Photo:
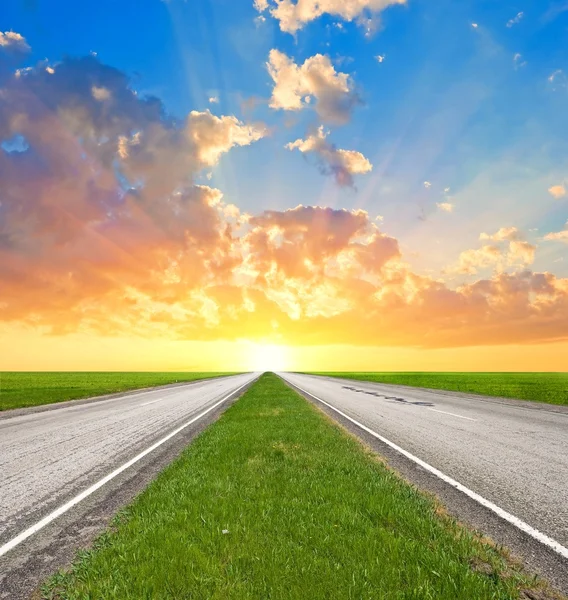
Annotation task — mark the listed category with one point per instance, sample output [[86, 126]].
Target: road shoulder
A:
[[24, 568], [535, 557]]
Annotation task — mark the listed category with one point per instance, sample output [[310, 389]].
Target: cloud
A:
[[104, 231], [558, 80], [295, 87], [103, 198], [293, 16], [515, 20], [503, 234], [10, 40], [427, 185], [380, 57], [557, 191], [100, 93], [511, 250], [558, 236], [518, 62], [342, 164], [213, 100], [445, 206]]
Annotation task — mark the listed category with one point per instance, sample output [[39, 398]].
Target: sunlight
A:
[[269, 357]]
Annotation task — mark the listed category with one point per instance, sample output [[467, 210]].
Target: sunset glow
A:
[[337, 187]]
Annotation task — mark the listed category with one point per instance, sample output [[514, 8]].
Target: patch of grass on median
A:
[[21, 389], [538, 387], [275, 501]]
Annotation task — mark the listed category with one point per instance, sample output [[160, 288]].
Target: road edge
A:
[[518, 402], [535, 558], [30, 410], [26, 567]]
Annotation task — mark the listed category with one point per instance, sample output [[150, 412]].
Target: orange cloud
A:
[[558, 236], [10, 40], [103, 230], [557, 191], [509, 250]]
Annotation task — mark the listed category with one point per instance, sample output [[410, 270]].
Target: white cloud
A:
[[557, 191], [515, 20], [518, 62], [381, 57], [295, 86], [213, 100], [558, 80], [445, 206], [446, 190], [13, 41], [342, 164], [558, 236], [475, 25], [427, 185], [292, 16]]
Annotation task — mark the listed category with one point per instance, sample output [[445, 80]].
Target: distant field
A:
[[538, 387], [18, 389], [275, 501]]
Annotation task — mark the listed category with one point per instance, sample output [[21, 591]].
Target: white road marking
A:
[[68, 505], [453, 414], [534, 533], [151, 402]]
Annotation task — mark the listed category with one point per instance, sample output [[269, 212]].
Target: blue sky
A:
[[453, 139], [449, 104]]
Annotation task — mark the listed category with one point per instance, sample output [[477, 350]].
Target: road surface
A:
[[48, 458], [512, 453]]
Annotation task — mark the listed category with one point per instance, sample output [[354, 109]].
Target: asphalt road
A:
[[48, 457], [512, 453]]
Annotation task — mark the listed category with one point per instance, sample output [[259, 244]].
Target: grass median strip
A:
[[538, 387], [22, 389], [275, 501]]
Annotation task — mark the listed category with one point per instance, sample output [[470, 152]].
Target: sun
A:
[[269, 357]]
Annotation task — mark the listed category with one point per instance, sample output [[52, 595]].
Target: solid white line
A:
[[453, 414], [63, 509], [534, 533]]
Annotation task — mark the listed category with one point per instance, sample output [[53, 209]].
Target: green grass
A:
[[538, 387], [274, 501], [20, 389]]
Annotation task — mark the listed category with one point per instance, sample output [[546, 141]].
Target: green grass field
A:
[[275, 501], [20, 389], [538, 387]]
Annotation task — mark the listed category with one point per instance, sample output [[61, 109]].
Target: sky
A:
[[284, 184]]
